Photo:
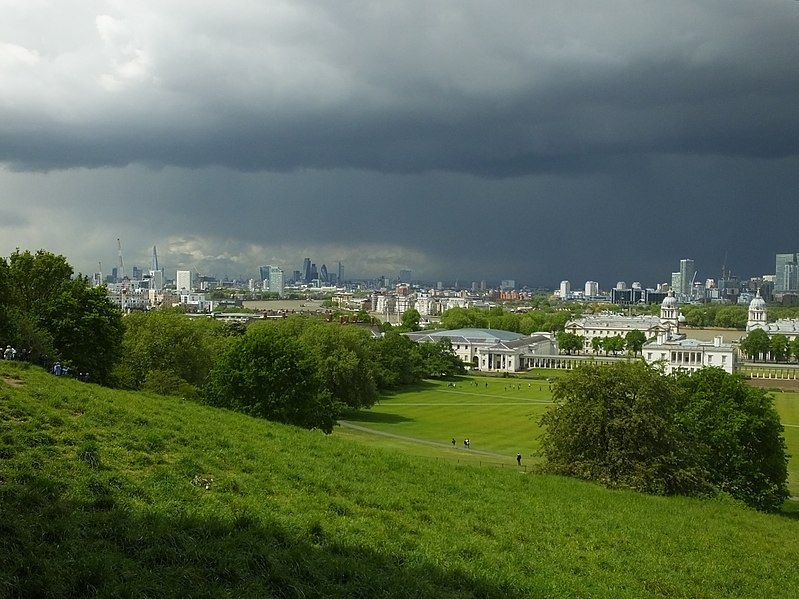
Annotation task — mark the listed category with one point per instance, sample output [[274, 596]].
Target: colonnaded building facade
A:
[[492, 350]]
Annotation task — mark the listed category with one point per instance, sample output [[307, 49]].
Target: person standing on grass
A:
[[519, 458], [453, 441]]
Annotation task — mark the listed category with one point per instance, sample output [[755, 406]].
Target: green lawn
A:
[[113, 494], [499, 416]]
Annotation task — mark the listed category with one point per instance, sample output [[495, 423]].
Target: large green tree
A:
[[48, 311], [396, 360], [86, 328], [634, 341], [756, 344], [735, 436], [343, 355], [569, 342], [439, 359], [272, 374], [627, 424], [613, 424]]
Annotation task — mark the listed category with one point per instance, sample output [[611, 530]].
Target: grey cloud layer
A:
[[402, 87], [528, 140]]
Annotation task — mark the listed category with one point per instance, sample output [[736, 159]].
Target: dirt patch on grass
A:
[[13, 382]]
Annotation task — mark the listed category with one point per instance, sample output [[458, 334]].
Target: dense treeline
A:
[[299, 370], [629, 425]]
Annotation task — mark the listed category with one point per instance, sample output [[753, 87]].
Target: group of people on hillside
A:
[[12, 353]]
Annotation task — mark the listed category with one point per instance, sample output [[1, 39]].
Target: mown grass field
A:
[[114, 494], [499, 416]]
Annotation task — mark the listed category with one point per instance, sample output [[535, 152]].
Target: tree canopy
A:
[[629, 425], [268, 372], [45, 310]]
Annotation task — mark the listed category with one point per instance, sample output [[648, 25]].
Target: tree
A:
[[569, 342], [614, 344], [438, 359], [736, 436], [163, 349], [48, 311], [634, 341], [271, 374], [779, 347], [627, 424], [613, 424], [597, 344], [795, 348], [731, 317], [86, 328], [756, 344], [343, 356], [410, 319], [396, 360]]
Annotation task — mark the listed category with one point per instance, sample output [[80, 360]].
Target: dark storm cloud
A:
[[470, 140], [407, 87]]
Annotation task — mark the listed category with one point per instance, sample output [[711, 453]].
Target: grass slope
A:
[[114, 494]]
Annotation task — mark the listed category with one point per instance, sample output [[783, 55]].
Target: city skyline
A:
[[531, 142], [681, 281]]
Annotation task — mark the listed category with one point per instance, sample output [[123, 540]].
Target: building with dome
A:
[[613, 325], [757, 319]]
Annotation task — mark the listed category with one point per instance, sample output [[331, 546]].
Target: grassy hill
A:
[[113, 494]]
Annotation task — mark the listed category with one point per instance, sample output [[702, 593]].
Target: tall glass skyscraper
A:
[[687, 274], [786, 273]]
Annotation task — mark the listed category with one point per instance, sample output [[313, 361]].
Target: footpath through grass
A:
[[114, 494]]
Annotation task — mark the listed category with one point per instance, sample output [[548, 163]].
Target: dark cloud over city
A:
[[470, 140]]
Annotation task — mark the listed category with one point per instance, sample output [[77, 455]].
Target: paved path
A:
[[358, 427]]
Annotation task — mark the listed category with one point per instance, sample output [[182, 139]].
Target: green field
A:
[[499, 416], [106, 493]]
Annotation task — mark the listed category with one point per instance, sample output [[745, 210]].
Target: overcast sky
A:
[[525, 140]]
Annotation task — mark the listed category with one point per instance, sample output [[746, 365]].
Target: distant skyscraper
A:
[[591, 289], [154, 265], [786, 273], [157, 280], [314, 273], [687, 275], [137, 273], [565, 289], [263, 272], [183, 280], [507, 284], [276, 281], [323, 276], [306, 270]]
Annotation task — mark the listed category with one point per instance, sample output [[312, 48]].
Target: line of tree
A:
[[758, 346], [629, 425], [546, 319], [632, 342]]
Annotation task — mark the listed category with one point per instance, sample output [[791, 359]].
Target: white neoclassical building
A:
[[612, 325], [757, 319], [681, 354], [492, 350]]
